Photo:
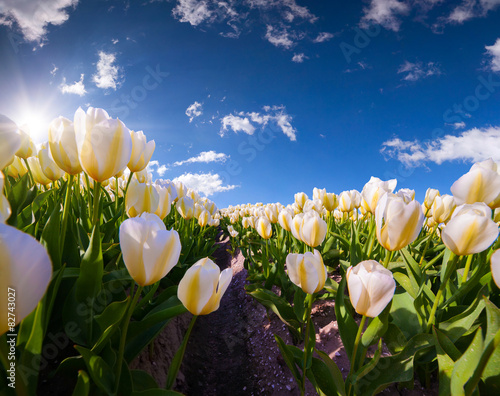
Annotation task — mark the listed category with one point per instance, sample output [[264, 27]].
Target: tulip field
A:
[[96, 259]]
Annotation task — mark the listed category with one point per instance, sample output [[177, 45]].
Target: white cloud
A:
[[289, 9], [471, 9], [322, 37], [161, 169], [108, 74], [194, 110], [54, 70], [77, 88], [204, 183], [34, 16], [299, 58], [458, 125], [279, 37], [237, 124], [494, 52], [206, 157], [418, 70], [115, 41], [242, 121], [385, 13], [470, 146], [192, 11]]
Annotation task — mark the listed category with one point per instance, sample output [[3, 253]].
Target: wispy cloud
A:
[[386, 13], [494, 52], [108, 74], [77, 88], [204, 183], [418, 70], [155, 166], [204, 157], [192, 11], [279, 37], [248, 122], [299, 58], [194, 110], [471, 9], [470, 146], [34, 16], [322, 37], [54, 70]]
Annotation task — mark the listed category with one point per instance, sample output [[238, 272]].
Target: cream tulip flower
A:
[[140, 198], [149, 250], [300, 199], [285, 219], [204, 218], [349, 200], [430, 196], [263, 227], [442, 208], [47, 164], [371, 287], [495, 267], [5, 210], [27, 148], [142, 151], [330, 202], [17, 168], [247, 222], [373, 191], [10, 141], [62, 144], [104, 144], [480, 184], [307, 271], [313, 229], [185, 207], [397, 223], [164, 201], [232, 231], [36, 171], [470, 230], [202, 287], [297, 225], [26, 268]]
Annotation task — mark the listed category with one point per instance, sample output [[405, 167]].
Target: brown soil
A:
[[233, 351]]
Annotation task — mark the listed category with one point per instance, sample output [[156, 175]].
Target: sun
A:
[[36, 125]]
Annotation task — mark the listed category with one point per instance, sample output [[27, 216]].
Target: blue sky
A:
[[256, 100]]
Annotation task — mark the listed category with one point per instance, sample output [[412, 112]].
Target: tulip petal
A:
[[133, 234], [381, 290], [224, 280], [495, 267], [161, 253]]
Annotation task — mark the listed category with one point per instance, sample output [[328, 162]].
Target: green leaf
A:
[[82, 387], [465, 366], [347, 325], [396, 368], [99, 370], [109, 322], [491, 374], [404, 314], [334, 372], [88, 283], [51, 237], [323, 377], [413, 270], [142, 381], [289, 358], [376, 328], [445, 363], [17, 196], [367, 368]]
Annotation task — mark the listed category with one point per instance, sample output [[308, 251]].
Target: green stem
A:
[[97, 194], [125, 196], [67, 205], [30, 174], [427, 245], [449, 271], [123, 338], [116, 194], [307, 348], [467, 268], [179, 355], [388, 254], [88, 193], [355, 350]]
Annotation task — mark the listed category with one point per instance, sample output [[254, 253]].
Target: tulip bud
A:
[[203, 286], [142, 151], [10, 141], [371, 287], [181, 189], [204, 218], [300, 199], [232, 231], [495, 167], [141, 197], [406, 194], [263, 227], [349, 200], [48, 166], [470, 229], [17, 168], [185, 207], [285, 220], [442, 208], [104, 144], [307, 271], [26, 268], [164, 202], [313, 229], [297, 225], [193, 195], [373, 191], [27, 147], [272, 213], [397, 223], [247, 222], [330, 202], [5, 210], [36, 171], [495, 267], [149, 250], [480, 184], [62, 144], [319, 194], [430, 196]]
